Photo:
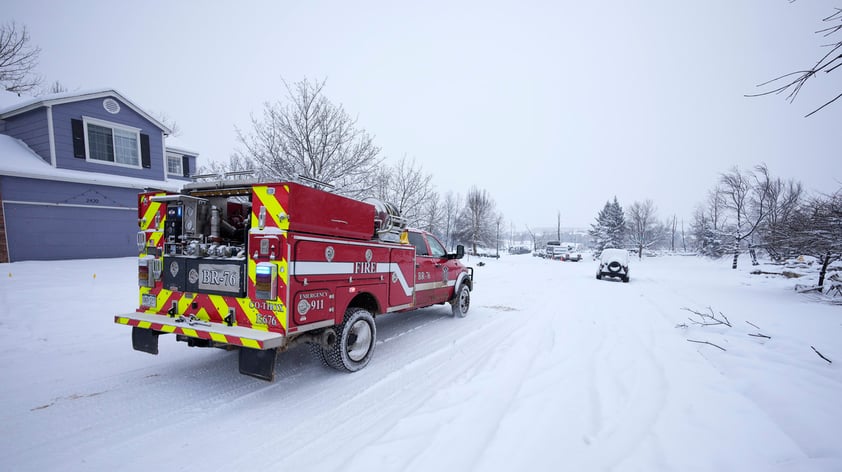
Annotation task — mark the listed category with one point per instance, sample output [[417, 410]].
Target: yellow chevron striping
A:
[[273, 208], [220, 305], [144, 324], [149, 214], [190, 332], [251, 313], [168, 329], [250, 343], [220, 338]]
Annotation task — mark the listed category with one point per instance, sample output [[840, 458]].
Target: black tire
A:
[[318, 352], [625, 278], [357, 336], [461, 302], [598, 276]]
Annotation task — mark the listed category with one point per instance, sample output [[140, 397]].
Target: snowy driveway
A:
[[551, 370]]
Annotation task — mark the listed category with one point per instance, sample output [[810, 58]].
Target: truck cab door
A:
[[428, 271], [447, 270]]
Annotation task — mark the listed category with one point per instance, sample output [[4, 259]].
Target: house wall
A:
[[64, 113], [48, 220], [31, 128]]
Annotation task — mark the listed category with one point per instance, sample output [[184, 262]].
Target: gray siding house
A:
[[71, 166]]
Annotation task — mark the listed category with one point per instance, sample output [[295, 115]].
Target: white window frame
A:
[[107, 124], [180, 159]]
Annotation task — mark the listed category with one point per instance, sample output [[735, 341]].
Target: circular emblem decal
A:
[[394, 277], [368, 255], [174, 268], [303, 307], [444, 272], [193, 276], [329, 253]]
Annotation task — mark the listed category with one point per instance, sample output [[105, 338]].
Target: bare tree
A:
[[452, 207], [432, 215], [237, 164], [56, 87], [175, 129], [785, 198], [832, 60], [18, 59], [406, 186], [558, 226], [747, 196], [641, 223], [310, 136], [475, 224], [817, 230]]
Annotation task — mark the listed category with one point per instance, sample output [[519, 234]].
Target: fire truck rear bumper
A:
[[150, 326]]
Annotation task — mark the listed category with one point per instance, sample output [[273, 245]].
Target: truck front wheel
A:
[[357, 335], [461, 301]]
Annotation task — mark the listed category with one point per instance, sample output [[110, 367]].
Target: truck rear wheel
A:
[[461, 301], [357, 335]]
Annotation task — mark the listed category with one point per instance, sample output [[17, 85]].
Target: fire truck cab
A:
[[262, 267]]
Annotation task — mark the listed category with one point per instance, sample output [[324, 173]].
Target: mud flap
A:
[[258, 363], [145, 340]]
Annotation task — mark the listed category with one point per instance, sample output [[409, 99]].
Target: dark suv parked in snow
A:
[[613, 263]]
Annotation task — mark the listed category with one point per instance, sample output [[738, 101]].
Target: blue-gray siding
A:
[[47, 220], [64, 113], [31, 128]]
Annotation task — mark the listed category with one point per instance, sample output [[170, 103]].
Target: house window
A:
[[174, 165], [112, 143]]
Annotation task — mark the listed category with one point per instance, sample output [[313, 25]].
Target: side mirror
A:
[[460, 251]]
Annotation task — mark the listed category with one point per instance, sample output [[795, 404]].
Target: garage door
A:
[[48, 232]]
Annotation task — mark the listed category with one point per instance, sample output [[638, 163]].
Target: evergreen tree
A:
[[609, 231]]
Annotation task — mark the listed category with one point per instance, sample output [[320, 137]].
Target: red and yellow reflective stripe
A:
[[193, 333]]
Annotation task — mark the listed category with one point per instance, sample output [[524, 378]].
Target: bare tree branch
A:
[[825, 64], [708, 319], [708, 343], [822, 356], [18, 59]]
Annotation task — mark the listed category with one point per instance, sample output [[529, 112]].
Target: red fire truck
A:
[[262, 267]]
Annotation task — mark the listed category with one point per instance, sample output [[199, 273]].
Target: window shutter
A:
[[78, 138], [185, 166], [145, 159]]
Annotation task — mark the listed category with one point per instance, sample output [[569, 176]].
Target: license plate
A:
[[147, 299]]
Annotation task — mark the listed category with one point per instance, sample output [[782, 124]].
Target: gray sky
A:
[[550, 106]]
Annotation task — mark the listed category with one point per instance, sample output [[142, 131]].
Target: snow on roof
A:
[[18, 160], [173, 143], [12, 104]]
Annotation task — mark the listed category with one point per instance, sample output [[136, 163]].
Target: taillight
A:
[[265, 281], [148, 271]]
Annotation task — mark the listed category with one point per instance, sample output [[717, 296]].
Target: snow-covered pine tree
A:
[[610, 227]]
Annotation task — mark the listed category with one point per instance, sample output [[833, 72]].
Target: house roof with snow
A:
[[18, 160], [12, 104]]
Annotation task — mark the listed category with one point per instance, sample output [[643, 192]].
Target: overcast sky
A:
[[552, 106]]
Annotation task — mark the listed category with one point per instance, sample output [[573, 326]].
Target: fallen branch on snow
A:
[[758, 334], [708, 319], [705, 342], [820, 355]]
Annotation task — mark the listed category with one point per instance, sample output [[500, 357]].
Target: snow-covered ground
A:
[[551, 370]]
